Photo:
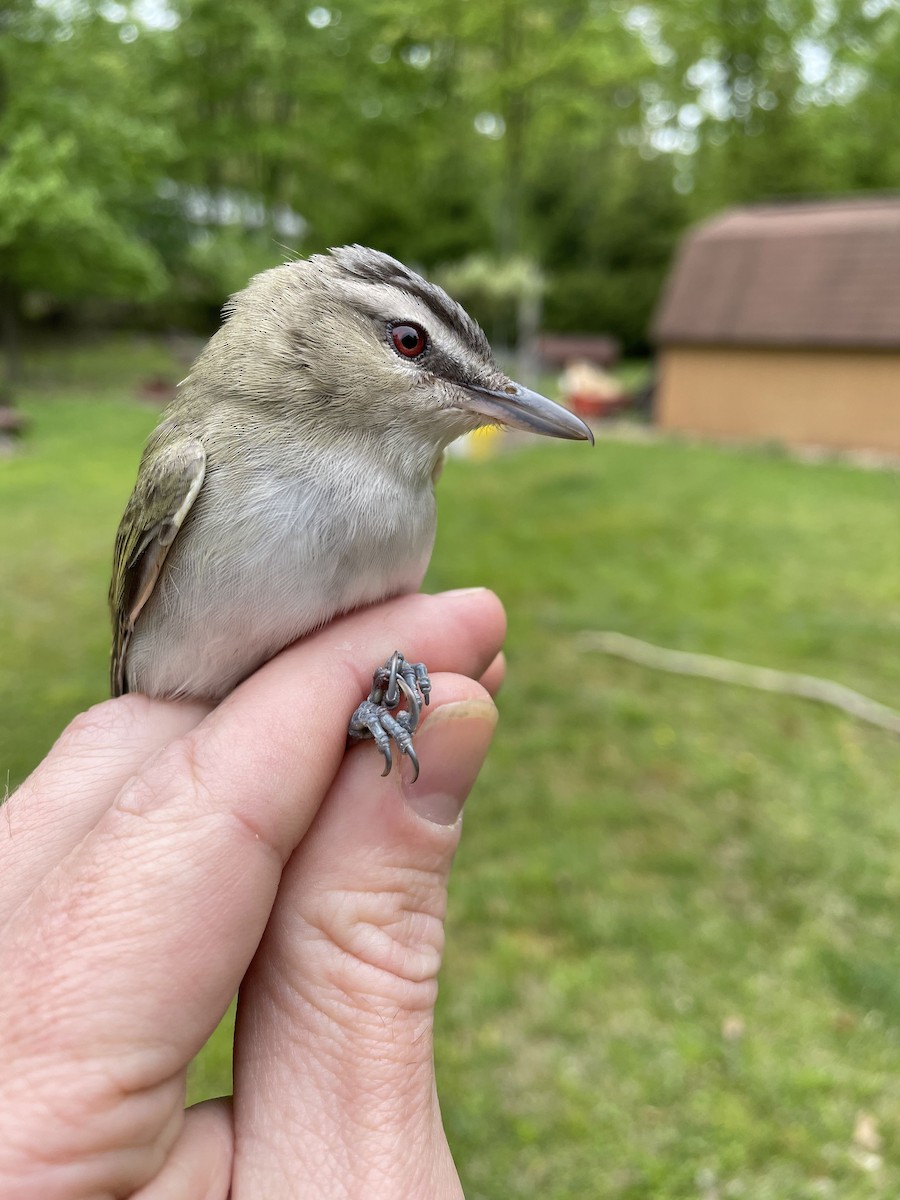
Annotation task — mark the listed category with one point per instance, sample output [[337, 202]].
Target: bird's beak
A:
[[520, 408]]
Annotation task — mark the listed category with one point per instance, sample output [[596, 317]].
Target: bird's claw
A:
[[388, 681], [377, 717]]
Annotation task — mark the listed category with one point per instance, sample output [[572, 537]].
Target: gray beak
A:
[[520, 408]]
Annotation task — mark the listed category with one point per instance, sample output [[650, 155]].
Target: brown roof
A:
[[557, 349], [802, 274]]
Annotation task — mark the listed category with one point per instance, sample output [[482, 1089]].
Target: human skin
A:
[[165, 854]]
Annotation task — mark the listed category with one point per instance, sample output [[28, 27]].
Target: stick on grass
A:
[[724, 670]]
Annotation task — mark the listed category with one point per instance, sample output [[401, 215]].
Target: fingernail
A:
[[451, 747], [469, 591]]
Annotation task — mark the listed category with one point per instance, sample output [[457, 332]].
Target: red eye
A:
[[409, 340]]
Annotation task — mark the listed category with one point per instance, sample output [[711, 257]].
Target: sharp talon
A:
[[378, 718], [423, 681], [411, 755], [412, 702], [392, 695]]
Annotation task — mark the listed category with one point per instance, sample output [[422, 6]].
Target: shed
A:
[[781, 322]]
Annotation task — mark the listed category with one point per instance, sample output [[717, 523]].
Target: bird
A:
[[292, 479]]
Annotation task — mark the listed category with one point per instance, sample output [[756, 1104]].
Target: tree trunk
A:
[[514, 108], [11, 341]]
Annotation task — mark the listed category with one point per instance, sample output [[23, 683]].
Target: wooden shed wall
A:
[[843, 399]]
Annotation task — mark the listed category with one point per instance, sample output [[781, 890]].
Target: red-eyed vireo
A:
[[292, 478]]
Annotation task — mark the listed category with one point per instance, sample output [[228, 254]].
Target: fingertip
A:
[[199, 1166], [493, 678], [481, 600]]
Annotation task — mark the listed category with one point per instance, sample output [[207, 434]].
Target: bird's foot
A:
[[378, 717]]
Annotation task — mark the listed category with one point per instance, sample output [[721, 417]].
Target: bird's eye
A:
[[409, 340]]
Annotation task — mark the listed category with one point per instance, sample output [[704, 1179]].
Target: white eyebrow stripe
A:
[[380, 270]]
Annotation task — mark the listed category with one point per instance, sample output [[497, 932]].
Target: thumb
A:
[[335, 1020]]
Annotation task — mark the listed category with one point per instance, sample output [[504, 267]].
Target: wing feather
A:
[[169, 480]]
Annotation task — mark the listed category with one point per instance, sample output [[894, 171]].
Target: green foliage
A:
[[583, 137], [80, 154], [782, 96], [220, 262], [504, 294], [671, 968]]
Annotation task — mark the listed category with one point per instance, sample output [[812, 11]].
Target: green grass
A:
[[672, 966]]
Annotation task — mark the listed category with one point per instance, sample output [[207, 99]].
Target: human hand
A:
[[163, 854]]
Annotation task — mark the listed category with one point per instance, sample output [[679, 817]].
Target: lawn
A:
[[672, 966]]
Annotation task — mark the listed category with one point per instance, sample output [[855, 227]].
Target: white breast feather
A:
[[246, 578]]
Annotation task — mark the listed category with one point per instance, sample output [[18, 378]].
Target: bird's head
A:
[[372, 345]]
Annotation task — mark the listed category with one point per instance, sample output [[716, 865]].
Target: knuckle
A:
[[385, 941], [183, 787], [103, 727], [175, 776]]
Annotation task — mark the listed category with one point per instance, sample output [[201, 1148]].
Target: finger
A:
[[78, 780], [318, 684], [92, 759], [199, 1164], [333, 1044], [493, 677], [163, 903]]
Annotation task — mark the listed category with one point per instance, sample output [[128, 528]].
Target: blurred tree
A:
[[335, 116], [428, 128], [612, 243], [200, 141], [80, 149], [760, 101], [508, 293], [866, 82]]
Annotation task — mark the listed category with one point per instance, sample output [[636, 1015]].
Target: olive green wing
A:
[[169, 480]]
